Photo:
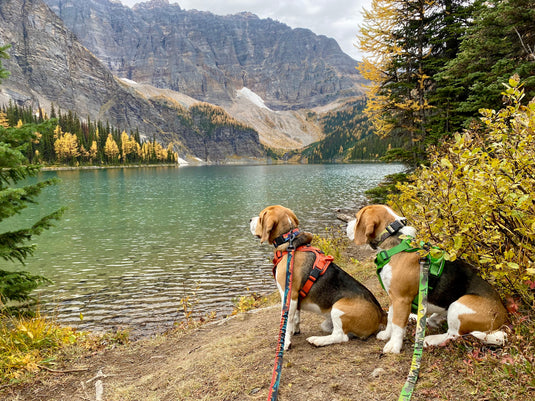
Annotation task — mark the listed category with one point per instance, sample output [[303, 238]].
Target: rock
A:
[[209, 57], [377, 372]]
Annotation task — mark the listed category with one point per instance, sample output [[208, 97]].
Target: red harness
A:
[[321, 263]]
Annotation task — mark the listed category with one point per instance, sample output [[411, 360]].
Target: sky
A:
[[338, 19]]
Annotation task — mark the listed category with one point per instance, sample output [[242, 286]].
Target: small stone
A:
[[377, 372]]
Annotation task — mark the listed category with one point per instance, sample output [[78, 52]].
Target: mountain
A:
[[49, 65], [210, 57]]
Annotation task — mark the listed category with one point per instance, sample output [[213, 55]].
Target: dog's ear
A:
[[266, 223], [364, 228]]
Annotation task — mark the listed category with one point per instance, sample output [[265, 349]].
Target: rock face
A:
[[209, 57], [49, 65]]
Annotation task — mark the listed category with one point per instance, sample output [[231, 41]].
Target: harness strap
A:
[[383, 257], [435, 264], [321, 263]]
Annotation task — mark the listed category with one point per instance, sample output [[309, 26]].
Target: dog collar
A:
[[284, 238], [390, 230]]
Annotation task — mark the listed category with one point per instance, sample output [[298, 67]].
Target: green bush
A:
[[476, 198]]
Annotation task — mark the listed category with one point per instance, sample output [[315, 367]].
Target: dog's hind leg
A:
[[337, 335], [473, 315], [327, 324]]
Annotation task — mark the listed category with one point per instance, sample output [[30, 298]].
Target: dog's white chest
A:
[[386, 276]]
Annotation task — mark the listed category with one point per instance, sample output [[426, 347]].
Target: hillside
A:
[[48, 65]]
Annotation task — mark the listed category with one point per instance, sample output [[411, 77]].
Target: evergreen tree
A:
[[497, 46], [14, 168], [407, 41]]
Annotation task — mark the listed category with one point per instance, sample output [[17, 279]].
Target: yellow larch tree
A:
[[129, 146], [3, 120], [111, 150], [66, 146]]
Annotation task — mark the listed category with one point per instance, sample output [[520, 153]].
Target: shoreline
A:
[[201, 164], [68, 168]]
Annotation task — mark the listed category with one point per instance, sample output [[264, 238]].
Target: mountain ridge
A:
[[209, 57]]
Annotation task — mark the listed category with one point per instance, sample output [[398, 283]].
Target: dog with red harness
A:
[[469, 303], [318, 284]]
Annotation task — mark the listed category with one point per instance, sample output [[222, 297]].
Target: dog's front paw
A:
[[287, 345], [321, 341], [384, 335], [393, 347]]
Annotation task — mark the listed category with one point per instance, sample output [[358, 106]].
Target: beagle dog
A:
[[470, 304], [349, 308]]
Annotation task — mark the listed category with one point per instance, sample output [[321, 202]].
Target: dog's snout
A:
[[252, 225], [351, 229]]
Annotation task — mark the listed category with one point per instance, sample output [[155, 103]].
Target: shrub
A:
[[477, 197]]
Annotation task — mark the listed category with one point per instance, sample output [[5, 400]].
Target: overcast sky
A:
[[338, 19]]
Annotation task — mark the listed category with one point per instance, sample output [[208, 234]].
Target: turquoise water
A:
[[134, 242]]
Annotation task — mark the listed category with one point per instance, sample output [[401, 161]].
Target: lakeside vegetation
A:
[[472, 184], [63, 138]]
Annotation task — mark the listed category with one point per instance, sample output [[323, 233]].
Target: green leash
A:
[[408, 388]]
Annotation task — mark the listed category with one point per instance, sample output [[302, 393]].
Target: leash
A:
[[408, 388], [277, 368]]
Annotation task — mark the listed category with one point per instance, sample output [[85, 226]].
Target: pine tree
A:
[[14, 198], [407, 42], [498, 45]]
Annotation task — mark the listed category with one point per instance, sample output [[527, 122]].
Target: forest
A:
[[67, 139], [433, 65]]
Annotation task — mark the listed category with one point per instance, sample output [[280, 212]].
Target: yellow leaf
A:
[[446, 163]]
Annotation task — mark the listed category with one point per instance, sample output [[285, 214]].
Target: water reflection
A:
[[133, 242]]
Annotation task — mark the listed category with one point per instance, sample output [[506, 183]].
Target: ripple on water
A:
[[135, 243]]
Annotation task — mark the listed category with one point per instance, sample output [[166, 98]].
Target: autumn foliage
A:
[[476, 199]]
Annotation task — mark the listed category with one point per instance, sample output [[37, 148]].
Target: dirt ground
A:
[[233, 359], [229, 360]]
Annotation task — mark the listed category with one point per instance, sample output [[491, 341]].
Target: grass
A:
[[461, 369], [29, 344]]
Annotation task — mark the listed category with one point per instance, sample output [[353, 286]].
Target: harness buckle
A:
[[395, 226]]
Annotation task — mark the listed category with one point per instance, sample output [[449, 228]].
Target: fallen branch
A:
[[344, 217], [62, 371]]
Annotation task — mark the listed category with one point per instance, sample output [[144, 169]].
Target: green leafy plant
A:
[[248, 302], [476, 199]]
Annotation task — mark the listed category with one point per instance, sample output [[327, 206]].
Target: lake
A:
[[133, 242]]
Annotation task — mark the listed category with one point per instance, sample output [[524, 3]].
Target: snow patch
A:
[[128, 81], [252, 97], [182, 161]]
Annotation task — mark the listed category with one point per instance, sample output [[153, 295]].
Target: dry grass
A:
[[233, 360]]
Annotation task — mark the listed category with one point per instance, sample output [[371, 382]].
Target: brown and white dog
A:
[[349, 308], [470, 304]]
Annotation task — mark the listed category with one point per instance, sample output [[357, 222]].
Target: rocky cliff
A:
[[49, 65], [210, 57]]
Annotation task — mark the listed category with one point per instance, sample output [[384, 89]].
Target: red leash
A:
[[277, 368]]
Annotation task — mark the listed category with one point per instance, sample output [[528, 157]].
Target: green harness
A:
[[436, 263]]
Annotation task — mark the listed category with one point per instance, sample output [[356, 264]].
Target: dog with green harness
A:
[[456, 292]]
